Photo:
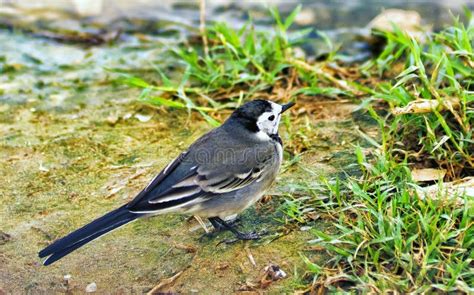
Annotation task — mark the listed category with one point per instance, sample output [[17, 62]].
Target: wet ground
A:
[[62, 168], [75, 143]]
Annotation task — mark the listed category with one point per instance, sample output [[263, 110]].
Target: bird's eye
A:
[[271, 118]]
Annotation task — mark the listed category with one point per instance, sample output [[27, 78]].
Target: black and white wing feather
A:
[[190, 180]]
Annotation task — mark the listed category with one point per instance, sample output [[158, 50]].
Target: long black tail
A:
[[87, 233]]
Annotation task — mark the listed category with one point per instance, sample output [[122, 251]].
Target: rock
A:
[[88, 7], [112, 119], [91, 288], [452, 191], [143, 118], [408, 21], [305, 17]]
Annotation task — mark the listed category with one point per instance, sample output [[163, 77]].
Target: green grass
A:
[[439, 71], [387, 239], [384, 237], [241, 64]]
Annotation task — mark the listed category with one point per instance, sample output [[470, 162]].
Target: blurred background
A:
[[100, 34], [324, 14]]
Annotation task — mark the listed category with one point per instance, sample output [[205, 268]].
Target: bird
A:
[[220, 175]]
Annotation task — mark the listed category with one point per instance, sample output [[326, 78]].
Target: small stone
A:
[[112, 119], [43, 168], [305, 17], [409, 21], [143, 118], [91, 288]]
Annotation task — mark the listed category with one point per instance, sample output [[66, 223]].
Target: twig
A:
[[203, 225], [164, 283], [318, 71], [250, 256]]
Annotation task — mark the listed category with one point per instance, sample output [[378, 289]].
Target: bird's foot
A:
[[220, 224], [248, 236], [208, 236], [244, 237]]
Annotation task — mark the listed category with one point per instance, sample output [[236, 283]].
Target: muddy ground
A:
[[61, 169]]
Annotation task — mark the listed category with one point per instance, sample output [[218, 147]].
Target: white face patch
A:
[[268, 121]]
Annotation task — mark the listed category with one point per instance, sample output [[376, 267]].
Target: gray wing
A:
[[208, 169]]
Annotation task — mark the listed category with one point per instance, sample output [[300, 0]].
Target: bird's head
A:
[[260, 116]]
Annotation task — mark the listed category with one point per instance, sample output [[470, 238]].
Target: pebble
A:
[[408, 21], [91, 288], [305, 17], [67, 277]]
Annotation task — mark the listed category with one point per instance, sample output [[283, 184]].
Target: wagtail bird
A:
[[220, 175]]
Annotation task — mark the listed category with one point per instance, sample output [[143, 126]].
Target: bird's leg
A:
[[219, 227], [220, 224]]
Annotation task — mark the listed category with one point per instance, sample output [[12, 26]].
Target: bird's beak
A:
[[286, 106]]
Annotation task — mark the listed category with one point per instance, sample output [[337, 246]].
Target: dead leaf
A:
[[222, 266], [336, 279], [248, 286], [187, 248], [421, 106], [428, 174], [315, 248]]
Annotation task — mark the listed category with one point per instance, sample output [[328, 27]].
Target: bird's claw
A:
[[243, 237], [208, 235], [249, 236]]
